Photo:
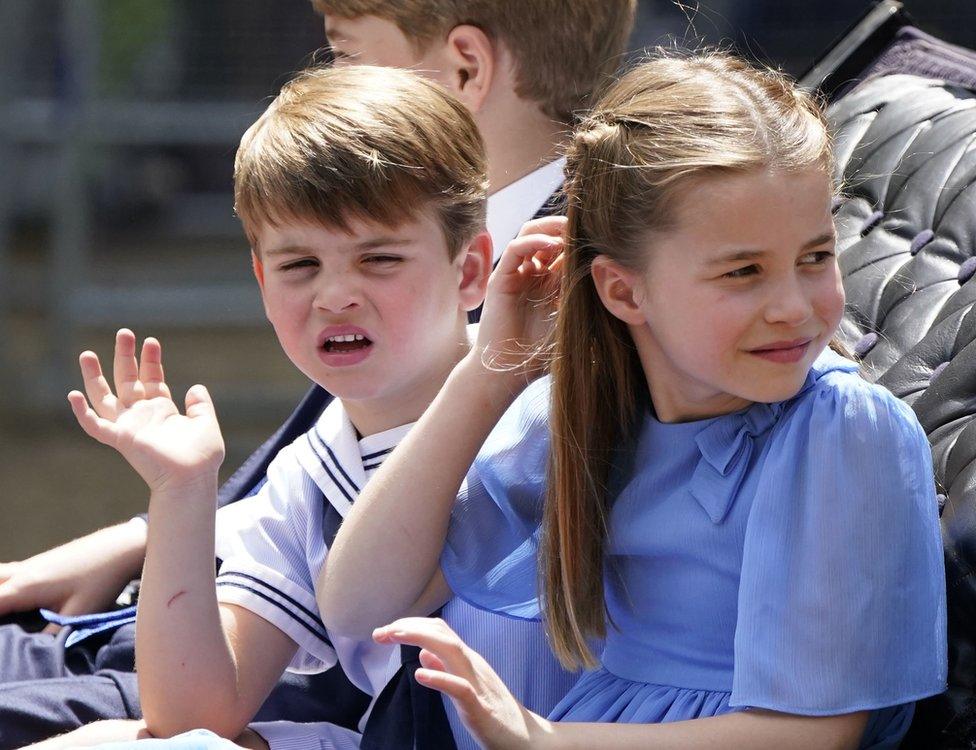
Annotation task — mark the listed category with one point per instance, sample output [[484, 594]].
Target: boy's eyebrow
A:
[[740, 255], [285, 250], [383, 242], [370, 244]]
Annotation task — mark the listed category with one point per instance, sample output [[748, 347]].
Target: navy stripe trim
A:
[[332, 476], [338, 465], [370, 467], [316, 621], [383, 452]]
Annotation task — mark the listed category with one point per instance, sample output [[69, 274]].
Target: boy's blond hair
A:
[[564, 50], [375, 144]]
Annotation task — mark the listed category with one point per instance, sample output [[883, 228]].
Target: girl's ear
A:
[[258, 267], [475, 268], [470, 65], [619, 289]]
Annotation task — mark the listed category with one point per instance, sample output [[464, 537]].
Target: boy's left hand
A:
[[488, 709], [169, 450]]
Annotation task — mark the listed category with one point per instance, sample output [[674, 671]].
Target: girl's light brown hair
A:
[[375, 144], [564, 50], [666, 124]]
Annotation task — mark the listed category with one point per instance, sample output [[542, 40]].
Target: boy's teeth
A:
[[347, 338]]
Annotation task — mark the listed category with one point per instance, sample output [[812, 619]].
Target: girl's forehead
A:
[[750, 212]]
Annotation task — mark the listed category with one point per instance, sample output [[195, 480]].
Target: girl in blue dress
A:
[[734, 533]]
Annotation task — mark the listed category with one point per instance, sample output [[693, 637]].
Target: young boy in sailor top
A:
[[522, 69], [362, 192]]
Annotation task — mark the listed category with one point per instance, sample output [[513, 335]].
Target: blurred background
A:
[[118, 125]]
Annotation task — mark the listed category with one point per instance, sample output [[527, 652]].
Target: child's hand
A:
[[488, 709], [521, 300], [169, 450]]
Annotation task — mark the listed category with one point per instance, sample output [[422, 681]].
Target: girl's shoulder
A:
[[837, 398]]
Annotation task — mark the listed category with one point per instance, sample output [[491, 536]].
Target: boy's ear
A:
[[619, 290], [258, 267], [471, 59], [476, 264]]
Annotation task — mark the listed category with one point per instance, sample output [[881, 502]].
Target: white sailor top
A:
[[275, 543]]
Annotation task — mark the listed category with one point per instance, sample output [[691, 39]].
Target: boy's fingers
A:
[[151, 369], [93, 425], [125, 368], [96, 386]]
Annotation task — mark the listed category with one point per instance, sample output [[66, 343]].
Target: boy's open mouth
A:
[[350, 342]]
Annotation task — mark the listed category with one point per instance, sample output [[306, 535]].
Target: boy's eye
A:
[[382, 259], [741, 273], [302, 263]]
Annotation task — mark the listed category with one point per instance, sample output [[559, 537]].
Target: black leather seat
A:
[[906, 147]]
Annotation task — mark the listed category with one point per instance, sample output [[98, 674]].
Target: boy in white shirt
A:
[[362, 192]]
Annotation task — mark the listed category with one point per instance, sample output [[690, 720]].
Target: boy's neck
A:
[[519, 138], [371, 417]]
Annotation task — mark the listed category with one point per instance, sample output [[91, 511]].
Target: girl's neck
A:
[[672, 407], [677, 396]]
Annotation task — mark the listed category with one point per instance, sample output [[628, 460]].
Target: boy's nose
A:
[[336, 294]]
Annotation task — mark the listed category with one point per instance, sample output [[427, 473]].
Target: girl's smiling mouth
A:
[[783, 352]]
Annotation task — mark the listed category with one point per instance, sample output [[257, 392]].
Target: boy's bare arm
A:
[[79, 577], [200, 663], [191, 673]]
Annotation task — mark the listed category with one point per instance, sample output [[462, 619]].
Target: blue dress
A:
[[785, 557]]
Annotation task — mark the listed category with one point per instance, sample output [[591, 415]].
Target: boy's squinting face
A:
[[370, 40], [743, 295], [373, 316]]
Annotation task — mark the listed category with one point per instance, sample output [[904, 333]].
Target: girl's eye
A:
[[817, 258], [741, 273]]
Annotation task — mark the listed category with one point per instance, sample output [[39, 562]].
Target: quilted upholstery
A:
[[906, 151]]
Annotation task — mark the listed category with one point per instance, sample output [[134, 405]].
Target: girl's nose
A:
[[789, 303]]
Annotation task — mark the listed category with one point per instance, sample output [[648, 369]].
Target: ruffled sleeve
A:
[[842, 592], [492, 545]]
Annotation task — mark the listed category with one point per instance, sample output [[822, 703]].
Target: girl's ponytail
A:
[[658, 128], [595, 381]]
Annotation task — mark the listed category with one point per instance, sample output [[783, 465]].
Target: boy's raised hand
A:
[[521, 300], [169, 450]]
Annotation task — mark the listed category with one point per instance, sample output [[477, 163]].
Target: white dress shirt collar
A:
[[515, 204]]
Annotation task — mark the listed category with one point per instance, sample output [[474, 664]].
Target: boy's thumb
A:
[[198, 402]]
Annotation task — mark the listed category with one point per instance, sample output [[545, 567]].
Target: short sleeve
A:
[[266, 569], [842, 592], [490, 556]]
